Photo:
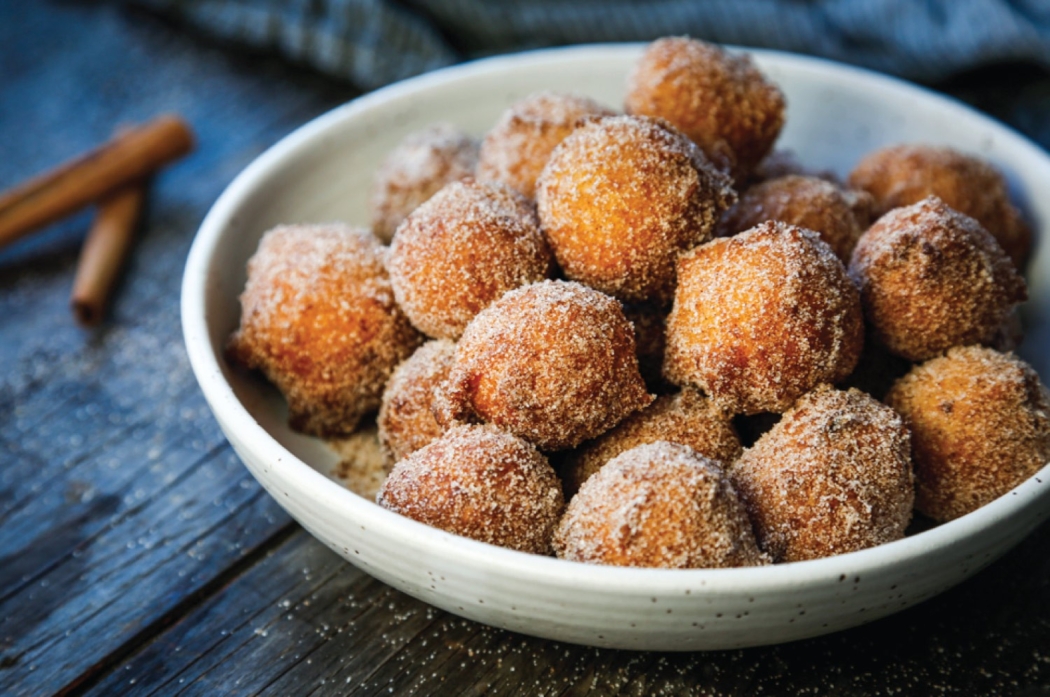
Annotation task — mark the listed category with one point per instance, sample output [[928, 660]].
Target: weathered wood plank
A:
[[113, 586], [119, 498], [304, 622], [131, 555], [283, 601]]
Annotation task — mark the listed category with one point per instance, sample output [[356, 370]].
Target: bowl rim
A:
[[204, 361]]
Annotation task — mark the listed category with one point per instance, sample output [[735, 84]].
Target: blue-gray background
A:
[[374, 42]]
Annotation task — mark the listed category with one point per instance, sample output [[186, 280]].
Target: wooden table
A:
[[138, 556]]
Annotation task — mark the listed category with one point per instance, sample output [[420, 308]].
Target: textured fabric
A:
[[373, 42]]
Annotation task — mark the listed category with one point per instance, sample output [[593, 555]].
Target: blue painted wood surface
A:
[[137, 556]]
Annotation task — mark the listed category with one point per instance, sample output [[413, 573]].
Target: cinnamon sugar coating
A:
[[553, 363], [687, 418], [834, 475], [658, 505], [720, 100], [931, 278], [415, 170], [621, 197], [980, 423], [462, 249], [406, 419], [318, 318], [482, 483], [519, 145], [761, 318], [808, 202], [906, 174]]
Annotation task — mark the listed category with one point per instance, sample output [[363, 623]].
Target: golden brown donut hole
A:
[[687, 418], [621, 197], [980, 423], [518, 146], [461, 250], [834, 475], [415, 170], [809, 202], [406, 419], [905, 174], [658, 505], [718, 99], [761, 318], [931, 278], [318, 318], [482, 483], [553, 363]]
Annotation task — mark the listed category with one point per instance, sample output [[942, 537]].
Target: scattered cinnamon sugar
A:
[[980, 423], [415, 170], [658, 505], [808, 202], [718, 99], [621, 197], [687, 418], [406, 419], [519, 145], [361, 466], [553, 363], [905, 174], [834, 475], [761, 318], [931, 278], [479, 482], [464, 248], [318, 317]]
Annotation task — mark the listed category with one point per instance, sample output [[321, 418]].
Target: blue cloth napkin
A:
[[374, 42]]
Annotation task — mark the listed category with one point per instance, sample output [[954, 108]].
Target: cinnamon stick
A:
[[105, 249], [131, 155]]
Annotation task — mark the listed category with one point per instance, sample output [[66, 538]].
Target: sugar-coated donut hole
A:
[[931, 278], [621, 197], [687, 418], [762, 317], [832, 476], [553, 363], [980, 423], [718, 99], [406, 419], [463, 249], [479, 482], [415, 170], [809, 202], [905, 174], [658, 504], [518, 146], [318, 318]]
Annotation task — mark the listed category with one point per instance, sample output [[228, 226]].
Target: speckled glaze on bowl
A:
[[322, 172]]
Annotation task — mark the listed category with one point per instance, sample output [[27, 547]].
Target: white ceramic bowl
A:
[[322, 172]]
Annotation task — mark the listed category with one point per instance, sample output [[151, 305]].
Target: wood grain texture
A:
[[119, 497], [303, 622], [138, 557]]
